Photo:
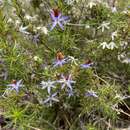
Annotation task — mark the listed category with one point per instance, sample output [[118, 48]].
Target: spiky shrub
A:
[[68, 79]]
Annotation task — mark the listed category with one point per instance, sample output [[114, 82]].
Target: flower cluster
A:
[[66, 83], [61, 60], [73, 56]]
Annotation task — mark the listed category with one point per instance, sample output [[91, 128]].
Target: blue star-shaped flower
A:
[[57, 18], [66, 81], [51, 99], [91, 94], [86, 65], [60, 60], [16, 85]]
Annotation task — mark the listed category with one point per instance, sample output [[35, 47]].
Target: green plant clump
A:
[[64, 64]]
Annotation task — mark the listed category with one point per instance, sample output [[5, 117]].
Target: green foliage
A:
[[23, 56]]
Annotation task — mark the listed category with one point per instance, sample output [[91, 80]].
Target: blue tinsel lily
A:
[[15, 85], [87, 64], [66, 81], [91, 94], [50, 99], [57, 18], [60, 60]]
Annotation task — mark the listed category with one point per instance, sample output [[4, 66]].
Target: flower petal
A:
[[61, 26], [53, 25]]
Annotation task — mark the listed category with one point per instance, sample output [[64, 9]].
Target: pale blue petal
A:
[[61, 26], [53, 25]]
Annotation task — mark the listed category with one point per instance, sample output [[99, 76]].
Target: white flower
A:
[[48, 84], [72, 60], [123, 44], [113, 9], [112, 45], [126, 60], [50, 99], [113, 35], [121, 56], [23, 30], [104, 25], [91, 4], [103, 45]]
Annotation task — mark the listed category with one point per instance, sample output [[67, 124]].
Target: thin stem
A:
[[121, 111], [101, 79], [34, 128], [72, 24]]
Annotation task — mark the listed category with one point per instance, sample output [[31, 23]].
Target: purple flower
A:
[[60, 60], [86, 65], [35, 38], [66, 81], [57, 18], [91, 94], [16, 85], [50, 99]]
